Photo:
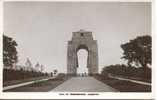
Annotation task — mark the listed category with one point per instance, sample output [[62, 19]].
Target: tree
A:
[[9, 51], [55, 71], [138, 51], [28, 63], [41, 68], [37, 66], [119, 69], [51, 74]]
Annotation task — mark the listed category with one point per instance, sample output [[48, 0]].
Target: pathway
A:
[[83, 84]]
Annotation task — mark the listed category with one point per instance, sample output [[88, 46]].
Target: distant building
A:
[[28, 65]]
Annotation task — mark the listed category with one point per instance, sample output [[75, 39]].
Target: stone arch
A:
[[82, 40], [82, 46]]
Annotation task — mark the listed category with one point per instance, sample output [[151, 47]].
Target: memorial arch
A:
[[82, 40]]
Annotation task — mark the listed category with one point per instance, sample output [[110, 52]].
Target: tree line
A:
[[138, 54], [10, 59]]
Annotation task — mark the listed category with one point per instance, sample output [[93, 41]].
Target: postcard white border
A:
[[105, 95]]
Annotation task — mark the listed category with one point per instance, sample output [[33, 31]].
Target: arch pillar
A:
[[82, 40]]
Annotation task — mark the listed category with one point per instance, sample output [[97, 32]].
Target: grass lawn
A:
[[43, 86], [124, 86], [13, 82]]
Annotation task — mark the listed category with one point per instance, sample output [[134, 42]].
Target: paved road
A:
[[83, 84]]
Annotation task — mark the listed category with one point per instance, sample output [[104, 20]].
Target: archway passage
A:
[[82, 56], [82, 40]]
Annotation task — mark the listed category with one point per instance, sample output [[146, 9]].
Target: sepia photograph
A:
[[77, 48]]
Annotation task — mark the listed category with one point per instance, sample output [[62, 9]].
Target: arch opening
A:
[[82, 55]]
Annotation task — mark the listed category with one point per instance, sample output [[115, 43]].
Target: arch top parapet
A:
[[82, 35]]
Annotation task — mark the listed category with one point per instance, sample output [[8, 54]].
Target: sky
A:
[[42, 29]]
